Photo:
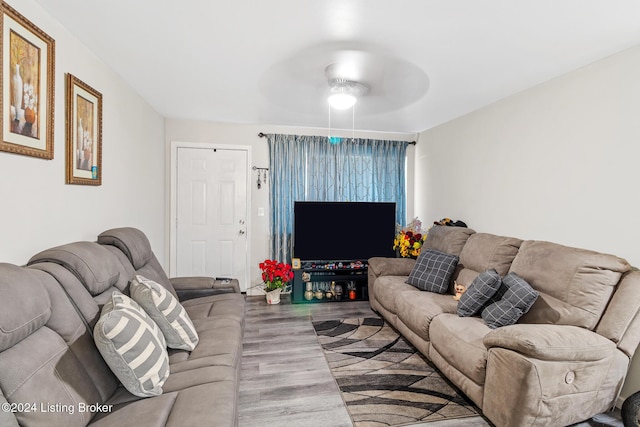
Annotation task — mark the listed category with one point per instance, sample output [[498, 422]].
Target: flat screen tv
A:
[[343, 231]]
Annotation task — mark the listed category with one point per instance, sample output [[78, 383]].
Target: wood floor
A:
[[285, 379]]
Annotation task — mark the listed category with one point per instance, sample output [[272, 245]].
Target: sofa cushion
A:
[[559, 343], [381, 266], [388, 288], [483, 287], [446, 239], [575, 285], [7, 418], [459, 340], [26, 305], [621, 312], [222, 306], [97, 268], [136, 255], [484, 251], [131, 241], [211, 404], [218, 338], [132, 345], [432, 271], [417, 309], [514, 298], [166, 311]]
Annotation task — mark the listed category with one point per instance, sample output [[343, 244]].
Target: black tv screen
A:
[[343, 231]]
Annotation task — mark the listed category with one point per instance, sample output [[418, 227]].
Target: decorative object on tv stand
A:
[[338, 292], [331, 293], [409, 239], [275, 275], [351, 287], [308, 294]]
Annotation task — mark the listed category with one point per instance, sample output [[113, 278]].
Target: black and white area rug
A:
[[383, 379]]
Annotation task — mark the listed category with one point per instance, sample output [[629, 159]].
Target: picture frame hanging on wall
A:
[[27, 96], [84, 133]]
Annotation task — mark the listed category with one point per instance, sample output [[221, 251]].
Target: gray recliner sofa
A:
[[52, 373], [564, 361]]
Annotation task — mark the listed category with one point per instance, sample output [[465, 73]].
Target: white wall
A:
[[38, 210], [557, 162], [242, 134]]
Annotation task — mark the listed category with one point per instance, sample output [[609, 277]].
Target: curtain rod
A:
[[262, 135]]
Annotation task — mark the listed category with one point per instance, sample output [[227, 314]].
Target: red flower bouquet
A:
[[275, 274]]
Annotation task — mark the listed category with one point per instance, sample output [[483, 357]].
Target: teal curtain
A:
[[310, 168]]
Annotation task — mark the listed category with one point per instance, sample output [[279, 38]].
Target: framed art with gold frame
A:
[[26, 101], [84, 133]]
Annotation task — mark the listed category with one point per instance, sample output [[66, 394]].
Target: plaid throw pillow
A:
[[432, 271], [479, 293], [514, 298]]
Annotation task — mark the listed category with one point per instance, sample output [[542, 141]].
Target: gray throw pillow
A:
[[166, 311], [132, 345], [432, 271], [479, 293], [516, 298]]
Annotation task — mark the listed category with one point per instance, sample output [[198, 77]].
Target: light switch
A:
[[260, 211]]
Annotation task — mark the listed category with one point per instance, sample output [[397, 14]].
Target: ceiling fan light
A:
[[342, 101]]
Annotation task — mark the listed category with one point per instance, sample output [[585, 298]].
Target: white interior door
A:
[[211, 213]]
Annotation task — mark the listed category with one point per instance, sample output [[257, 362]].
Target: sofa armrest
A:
[[551, 342], [553, 374], [380, 266], [200, 286], [196, 282]]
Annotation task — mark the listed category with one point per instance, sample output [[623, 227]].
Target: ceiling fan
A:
[[303, 81]]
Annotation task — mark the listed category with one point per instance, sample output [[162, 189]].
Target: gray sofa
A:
[[564, 361], [52, 373]]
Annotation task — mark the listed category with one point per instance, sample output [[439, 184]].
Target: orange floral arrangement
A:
[[409, 239]]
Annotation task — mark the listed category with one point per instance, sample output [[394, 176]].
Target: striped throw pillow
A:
[[132, 345], [166, 311]]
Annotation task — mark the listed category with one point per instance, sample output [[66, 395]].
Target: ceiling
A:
[[263, 62]]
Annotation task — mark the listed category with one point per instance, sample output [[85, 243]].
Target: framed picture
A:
[[27, 71], [295, 263], [84, 133]]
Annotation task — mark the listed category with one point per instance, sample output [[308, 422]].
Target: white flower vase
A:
[[17, 90], [273, 297]]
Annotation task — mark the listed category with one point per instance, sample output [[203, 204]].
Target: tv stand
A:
[[348, 275]]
